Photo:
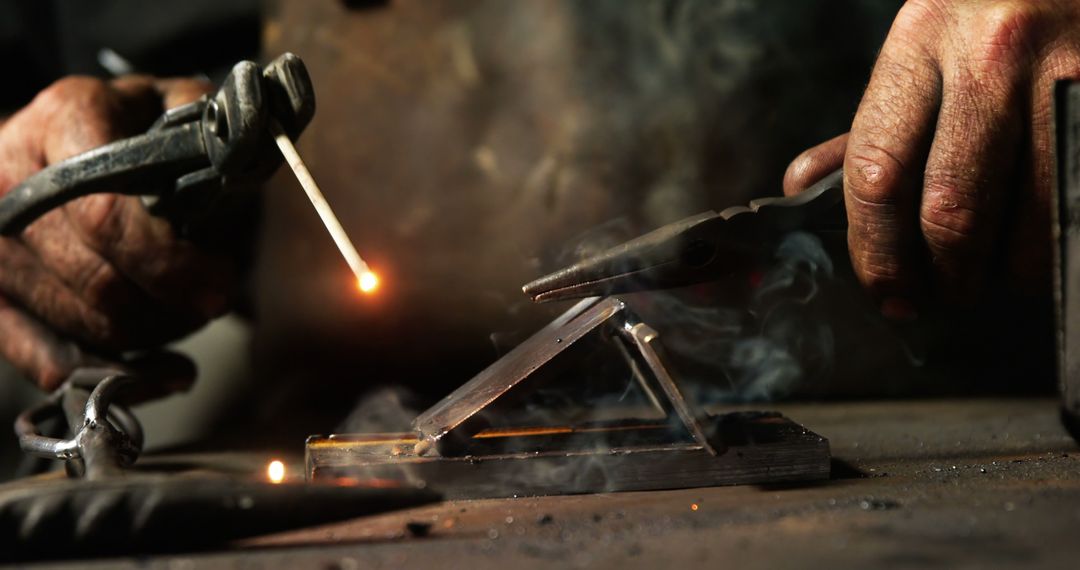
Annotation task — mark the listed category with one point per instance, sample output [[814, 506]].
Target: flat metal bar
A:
[[1066, 229], [764, 448], [645, 338], [512, 369]]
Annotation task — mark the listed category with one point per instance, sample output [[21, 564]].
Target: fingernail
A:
[[897, 309]]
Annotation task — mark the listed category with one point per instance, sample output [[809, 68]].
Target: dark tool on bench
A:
[[109, 506]]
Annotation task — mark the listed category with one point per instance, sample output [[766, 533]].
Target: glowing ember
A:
[[368, 281], [275, 471]]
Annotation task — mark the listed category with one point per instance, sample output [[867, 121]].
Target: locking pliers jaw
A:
[[191, 154]]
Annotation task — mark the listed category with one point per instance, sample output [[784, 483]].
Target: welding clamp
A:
[[189, 158], [702, 248]]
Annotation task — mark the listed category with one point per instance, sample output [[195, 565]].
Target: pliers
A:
[[189, 157], [702, 248]]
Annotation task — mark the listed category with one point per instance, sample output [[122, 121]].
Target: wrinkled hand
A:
[[99, 273], [948, 165]]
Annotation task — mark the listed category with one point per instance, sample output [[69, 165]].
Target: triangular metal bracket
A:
[[637, 341]]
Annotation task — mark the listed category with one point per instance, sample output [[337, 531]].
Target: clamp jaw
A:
[[106, 437], [189, 158]]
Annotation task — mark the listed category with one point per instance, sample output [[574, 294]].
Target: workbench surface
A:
[[953, 484]]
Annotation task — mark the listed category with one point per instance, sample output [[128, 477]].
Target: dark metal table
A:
[[955, 483]]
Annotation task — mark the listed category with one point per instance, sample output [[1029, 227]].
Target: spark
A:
[[275, 471], [368, 281]]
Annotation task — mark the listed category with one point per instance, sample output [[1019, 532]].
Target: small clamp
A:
[[188, 156], [106, 436]]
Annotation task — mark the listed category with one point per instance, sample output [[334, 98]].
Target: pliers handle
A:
[[192, 153]]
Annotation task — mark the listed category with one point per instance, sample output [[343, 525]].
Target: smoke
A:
[[385, 409], [757, 345]]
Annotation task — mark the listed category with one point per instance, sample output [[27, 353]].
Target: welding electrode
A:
[[364, 276]]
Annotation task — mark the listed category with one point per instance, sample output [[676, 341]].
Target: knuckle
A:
[[74, 92], [99, 328], [873, 173], [916, 15], [1060, 61], [949, 216], [1005, 32], [100, 284], [101, 218], [946, 231]]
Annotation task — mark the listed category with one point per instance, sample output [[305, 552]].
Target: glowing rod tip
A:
[[368, 281]]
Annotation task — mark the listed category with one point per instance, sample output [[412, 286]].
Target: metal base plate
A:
[[762, 447]]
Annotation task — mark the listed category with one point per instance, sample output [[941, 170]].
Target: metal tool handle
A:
[[130, 166]]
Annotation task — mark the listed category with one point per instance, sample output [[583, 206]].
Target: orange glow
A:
[[368, 281], [693, 506], [275, 471]]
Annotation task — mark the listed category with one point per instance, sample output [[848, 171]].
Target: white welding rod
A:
[[348, 251]]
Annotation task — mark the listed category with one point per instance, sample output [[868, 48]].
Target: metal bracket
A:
[[455, 451], [452, 413]]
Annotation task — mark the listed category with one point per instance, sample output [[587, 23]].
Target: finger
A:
[[1028, 251], [883, 166], [972, 166], [20, 154], [28, 283], [40, 291], [118, 228], [814, 164], [143, 98], [34, 350], [77, 114], [93, 278], [146, 250], [182, 91], [161, 373], [48, 359]]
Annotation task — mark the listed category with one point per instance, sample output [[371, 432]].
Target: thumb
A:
[[813, 164]]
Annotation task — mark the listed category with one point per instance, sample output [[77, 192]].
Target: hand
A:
[[948, 165], [99, 273]]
